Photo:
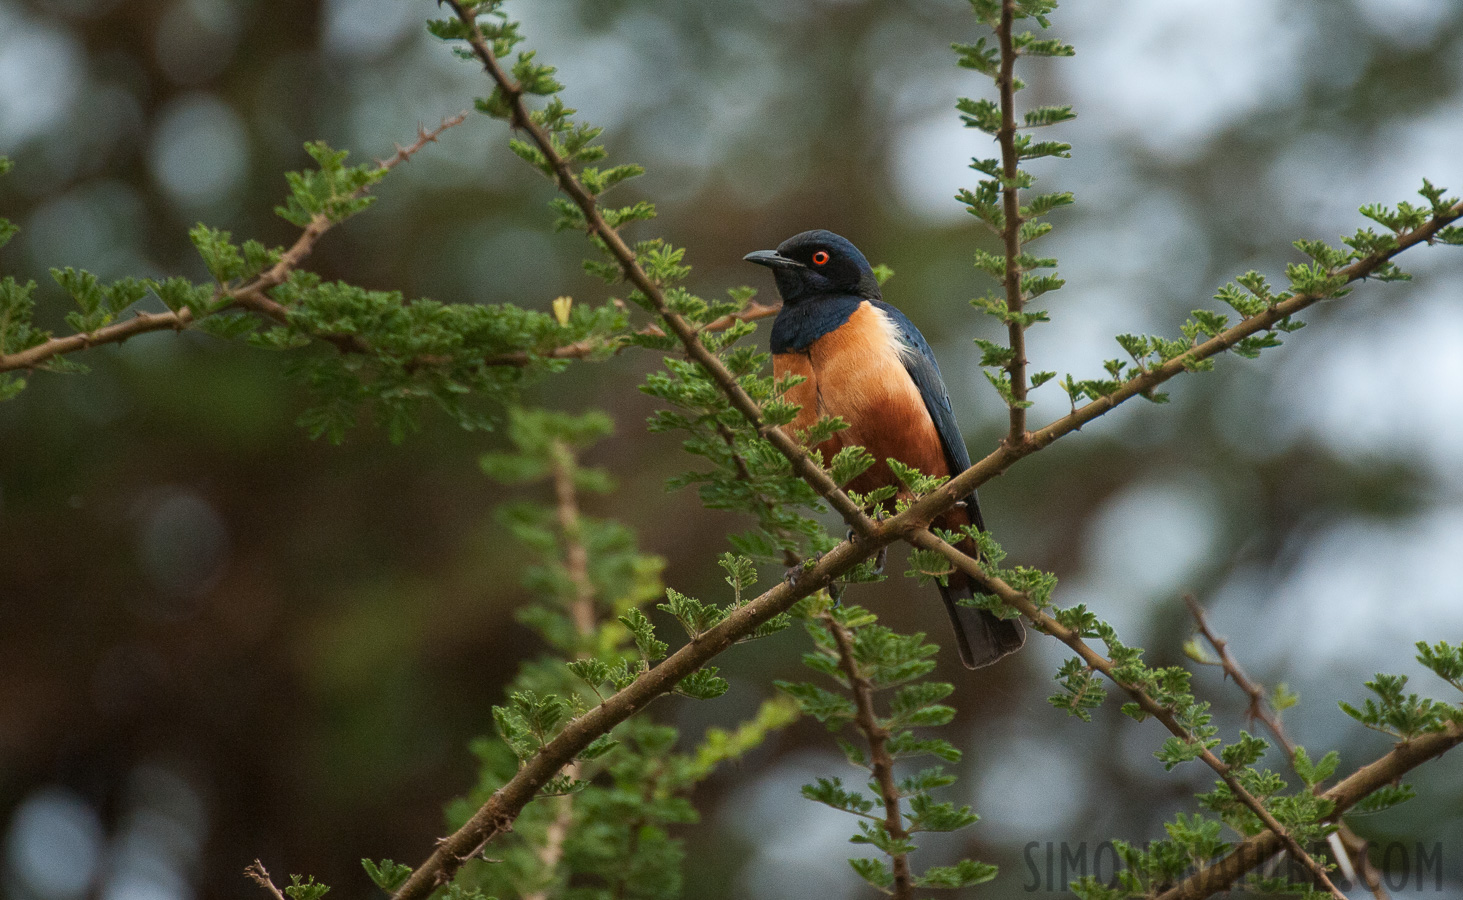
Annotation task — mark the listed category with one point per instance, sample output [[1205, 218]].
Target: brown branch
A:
[[1002, 458], [1352, 845], [564, 177], [115, 333], [576, 558], [1011, 226], [497, 814], [882, 763], [1260, 707], [1403, 758], [591, 346], [582, 614], [1011, 597], [260, 876], [251, 296]]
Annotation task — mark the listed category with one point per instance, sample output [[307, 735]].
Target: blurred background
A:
[[220, 640]]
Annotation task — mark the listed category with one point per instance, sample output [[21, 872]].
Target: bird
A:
[[864, 361]]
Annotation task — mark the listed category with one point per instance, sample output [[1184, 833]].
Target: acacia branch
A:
[[1006, 454], [881, 761], [252, 296], [581, 610], [991, 584], [497, 814], [595, 224], [1404, 757], [1011, 226], [591, 346], [260, 876], [1256, 850], [1350, 846], [576, 558]]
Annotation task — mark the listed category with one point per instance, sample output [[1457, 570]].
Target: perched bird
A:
[[865, 362]]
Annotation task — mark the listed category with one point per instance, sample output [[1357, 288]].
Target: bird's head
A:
[[818, 263]]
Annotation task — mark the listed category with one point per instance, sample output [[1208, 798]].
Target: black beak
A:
[[773, 260]]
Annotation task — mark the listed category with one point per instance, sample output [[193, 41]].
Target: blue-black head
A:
[[818, 263]]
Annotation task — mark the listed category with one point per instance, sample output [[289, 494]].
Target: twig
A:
[[252, 296], [582, 614], [1351, 847], [260, 876], [1002, 458], [497, 814], [802, 464], [1094, 660], [882, 763], [591, 346], [1011, 232], [576, 558], [1259, 706], [1347, 793]]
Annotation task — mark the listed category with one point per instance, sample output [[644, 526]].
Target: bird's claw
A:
[[794, 573], [879, 559]]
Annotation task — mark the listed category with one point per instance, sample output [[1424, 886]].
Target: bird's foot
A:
[[879, 559], [795, 573]]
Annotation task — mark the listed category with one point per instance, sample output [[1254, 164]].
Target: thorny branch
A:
[[591, 346], [1011, 233], [630, 266], [882, 762], [576, 558], [260, 876], [581, 612], [1096, 661], [497, 815], [252, 296], [1350, 847], [1402, 759], [1000, 459]]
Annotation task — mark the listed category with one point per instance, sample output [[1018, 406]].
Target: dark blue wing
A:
[[921, 365]]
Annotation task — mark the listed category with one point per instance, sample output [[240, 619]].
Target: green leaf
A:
[[874, 871], [1383, 798], [222, 258], [309, 889], [387, 875], [966, 873], [650, 647], [703, 684]]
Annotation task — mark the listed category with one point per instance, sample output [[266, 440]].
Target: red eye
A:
[[820, 258]]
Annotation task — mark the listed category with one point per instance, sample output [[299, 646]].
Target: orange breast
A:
[[855, 373]]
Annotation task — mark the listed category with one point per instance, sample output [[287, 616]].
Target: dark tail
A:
[[982, 637]]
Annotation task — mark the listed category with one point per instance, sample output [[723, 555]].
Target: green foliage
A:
[[387, 875], [988, 201], [8, 229], [1251, 296], [614, 809], [307, 889], [1402, 715], [1445, 661], [401, 356], [863, 658], [1081, 690], [333, 192], [1383, 798]]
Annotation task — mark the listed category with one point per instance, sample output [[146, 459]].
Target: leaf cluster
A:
[[883, 662]]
